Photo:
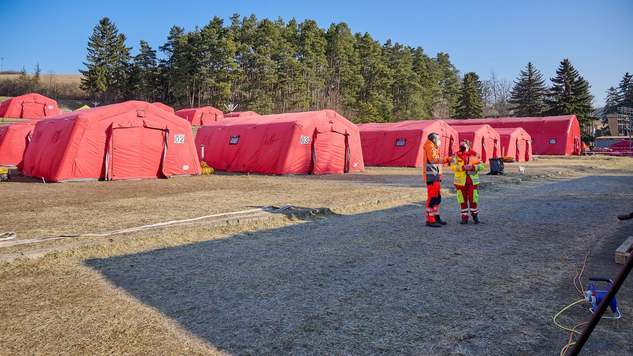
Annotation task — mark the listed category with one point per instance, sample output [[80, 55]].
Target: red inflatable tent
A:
[[167, 108], [401, 144], [317, 142], [200, 116], [485, 140], [29, 106], [13, 141], [130, 140], [622, 148], [240, 114], [551, 135], [516, 143]]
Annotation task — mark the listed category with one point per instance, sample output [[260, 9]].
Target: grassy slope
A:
[[57, 78]]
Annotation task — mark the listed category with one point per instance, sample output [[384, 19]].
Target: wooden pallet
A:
[[624, 251]]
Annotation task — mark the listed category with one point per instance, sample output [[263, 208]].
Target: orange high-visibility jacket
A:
[[432, 162]]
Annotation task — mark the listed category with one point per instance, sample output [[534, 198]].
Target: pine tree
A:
[[311, 50], [448, 78], [122, 68], [429, 91], [144, 77], [373, 102], [36, 75], [569, 95], [289, 77], [612, 101], [186, 76], [217, 51], [406, 83], [167, 67], [528, 93], [107, 62], [344, 75], [225, 66], [23, 85], [265, 72], [23, 76], [242, 33], [469, 102], [625, 91]]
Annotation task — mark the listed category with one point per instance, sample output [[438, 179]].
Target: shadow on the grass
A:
[[323, 287], [372, 283]]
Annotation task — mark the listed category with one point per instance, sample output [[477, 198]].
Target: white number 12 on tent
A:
[[179, 138]]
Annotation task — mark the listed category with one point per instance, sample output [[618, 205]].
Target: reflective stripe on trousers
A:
[[433, 200]]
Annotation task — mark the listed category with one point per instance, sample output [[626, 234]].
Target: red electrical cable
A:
[[571, 335]]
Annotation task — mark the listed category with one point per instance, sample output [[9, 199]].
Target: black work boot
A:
[[464, 221], [476, 219], [433, 224], [437, 219]]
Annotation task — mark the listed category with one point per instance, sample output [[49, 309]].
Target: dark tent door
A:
[[208, 117], [137, 152], [329, 153], [33, 109]]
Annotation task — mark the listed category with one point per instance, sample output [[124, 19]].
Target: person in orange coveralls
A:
[[467, 164], [432, 178]]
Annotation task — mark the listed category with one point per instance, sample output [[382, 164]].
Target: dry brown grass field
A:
[[6, 121], [65, 84], [58, 78], [362, 277]]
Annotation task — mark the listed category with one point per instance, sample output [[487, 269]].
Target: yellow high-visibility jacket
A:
[[460, 160]]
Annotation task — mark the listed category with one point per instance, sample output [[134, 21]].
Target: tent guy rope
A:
[[267, 209]]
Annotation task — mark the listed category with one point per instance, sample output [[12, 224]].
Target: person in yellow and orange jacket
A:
[[432, 177], [467, 164]]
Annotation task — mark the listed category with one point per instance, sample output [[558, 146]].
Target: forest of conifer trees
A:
[[272, 67]]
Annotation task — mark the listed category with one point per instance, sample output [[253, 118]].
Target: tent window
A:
[[552, 141], [234, 140], [401, 142]]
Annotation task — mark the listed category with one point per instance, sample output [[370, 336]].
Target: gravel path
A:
[[381, 283]]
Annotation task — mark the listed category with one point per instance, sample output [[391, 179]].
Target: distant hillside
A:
[[54, 86], [48, 78], [64, 104]]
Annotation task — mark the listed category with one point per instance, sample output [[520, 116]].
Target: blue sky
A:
[[480, 36]]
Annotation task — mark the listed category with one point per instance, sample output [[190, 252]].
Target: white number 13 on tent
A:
[[179, 138]]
